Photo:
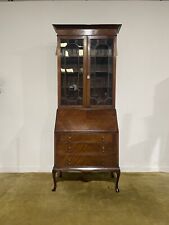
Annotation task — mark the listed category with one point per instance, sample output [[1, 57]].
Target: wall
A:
[[28, 82]]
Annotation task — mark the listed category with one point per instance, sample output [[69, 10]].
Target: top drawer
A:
[[84, 138]]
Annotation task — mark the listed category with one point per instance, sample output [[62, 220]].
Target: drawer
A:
[[85, 137], [75, 161], [86, 148]]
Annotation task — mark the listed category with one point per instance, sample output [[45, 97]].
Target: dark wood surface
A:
[[86, 119], [86, 150], [69, 27], [86, 137], [83, 29]]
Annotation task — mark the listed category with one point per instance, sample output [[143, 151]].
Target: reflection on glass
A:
[[101, 72], [71, 71]]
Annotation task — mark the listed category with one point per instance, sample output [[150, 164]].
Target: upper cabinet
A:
[[86, 60]]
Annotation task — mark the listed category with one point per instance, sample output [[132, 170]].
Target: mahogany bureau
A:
[[86, 129]]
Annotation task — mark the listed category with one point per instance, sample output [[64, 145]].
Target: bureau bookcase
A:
[[86, 136]]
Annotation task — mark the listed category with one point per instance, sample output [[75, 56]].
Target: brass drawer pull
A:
[[68, 147], [103, 148], [69, 162]]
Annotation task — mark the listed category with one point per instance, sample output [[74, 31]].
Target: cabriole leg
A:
[[117, 180], [54, 175]]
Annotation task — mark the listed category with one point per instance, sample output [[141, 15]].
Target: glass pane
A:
[[101, 72], [71, 71]]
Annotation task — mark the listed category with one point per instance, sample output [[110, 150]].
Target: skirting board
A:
[[49, 169], [24, 169], [144, 169]]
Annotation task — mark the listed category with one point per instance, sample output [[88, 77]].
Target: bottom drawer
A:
[[85, 161]]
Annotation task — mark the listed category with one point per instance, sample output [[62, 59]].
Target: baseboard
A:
[[164, 169], [25, 169], [144, 169], [49, 169]]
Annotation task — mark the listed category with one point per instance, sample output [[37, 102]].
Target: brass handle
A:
[[69, 161], [88, 77], [103, 148]]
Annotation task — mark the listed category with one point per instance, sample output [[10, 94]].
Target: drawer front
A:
[[82, 138], [85, 149], [77, 161]]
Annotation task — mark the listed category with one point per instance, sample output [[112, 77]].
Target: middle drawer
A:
[[85, 148]]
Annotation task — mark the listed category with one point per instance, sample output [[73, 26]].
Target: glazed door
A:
[[86, 65], [71, 70], [100, 71]]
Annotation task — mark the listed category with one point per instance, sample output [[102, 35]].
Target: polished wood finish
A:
[[86, 136], [81, 29], [86, 119]]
